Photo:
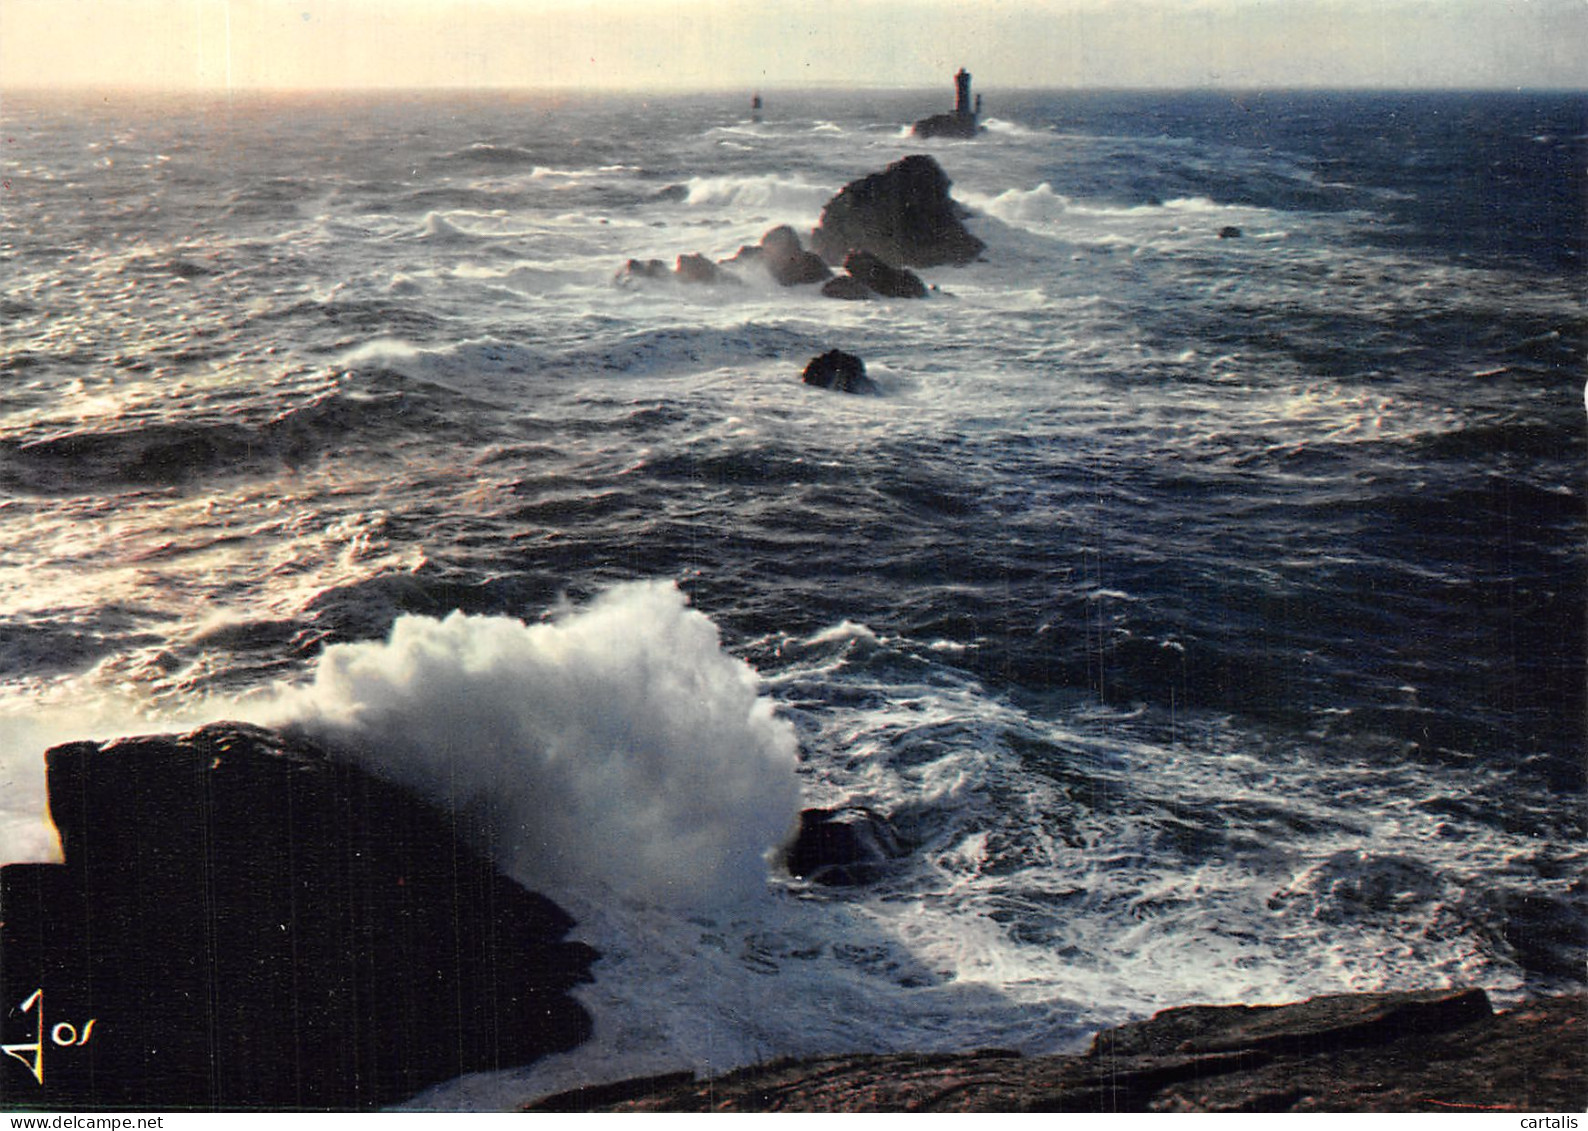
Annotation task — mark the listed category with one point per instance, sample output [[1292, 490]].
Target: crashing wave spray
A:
[[617, 745]]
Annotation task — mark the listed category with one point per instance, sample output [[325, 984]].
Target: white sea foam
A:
[[25, 833], [465, 227], [1018, 206], [1043, 209], [790, 198], [1000, 929], [439, 229], [378, 350], [1005, 128], [617, 746], [543, 173]]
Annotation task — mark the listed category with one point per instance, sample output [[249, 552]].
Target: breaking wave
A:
[[617, 745]]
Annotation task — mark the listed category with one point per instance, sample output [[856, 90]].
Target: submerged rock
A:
[[637, 269], [842, 372], [251, 924], [699, 269], [844, 846], [1436, 1050], [693, 268], [903, 215]]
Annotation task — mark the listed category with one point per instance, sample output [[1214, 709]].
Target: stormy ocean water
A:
[[1207, 613]]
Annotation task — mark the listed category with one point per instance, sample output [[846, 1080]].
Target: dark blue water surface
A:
[[1493, 176]]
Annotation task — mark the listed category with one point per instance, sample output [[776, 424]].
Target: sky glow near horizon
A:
[[737, 44]]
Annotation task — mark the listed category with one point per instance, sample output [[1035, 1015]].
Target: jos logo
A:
[[63, 1034]]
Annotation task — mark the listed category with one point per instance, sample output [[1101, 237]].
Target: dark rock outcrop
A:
[[875, 227], [875, 275], [1229, 232], [699, 269], [843, 846], [1440, 1050], [843, 373], [788, 262], [946, 125], [903, 215], [248, 923], [846, 287]]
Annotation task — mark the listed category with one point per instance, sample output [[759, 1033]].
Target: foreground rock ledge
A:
[[1422, 1051], [242, 921]]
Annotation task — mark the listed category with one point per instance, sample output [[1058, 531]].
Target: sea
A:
[[1201, 595]]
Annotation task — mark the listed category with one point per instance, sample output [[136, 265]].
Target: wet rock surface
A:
[[788, 262], [1443, 1050], [696, 268], [847, 288], [885, 280], [946, 125], [844, 846], [903, 215], [839, 371]]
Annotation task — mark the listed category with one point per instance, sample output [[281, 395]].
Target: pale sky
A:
[[739, 44]]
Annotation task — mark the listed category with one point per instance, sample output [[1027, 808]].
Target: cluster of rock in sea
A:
[[874, 231]]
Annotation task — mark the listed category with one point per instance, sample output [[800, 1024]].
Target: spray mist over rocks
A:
[[616, 747]]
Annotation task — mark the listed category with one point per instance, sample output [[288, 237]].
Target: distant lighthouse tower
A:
[[962, 122], [962, 93]]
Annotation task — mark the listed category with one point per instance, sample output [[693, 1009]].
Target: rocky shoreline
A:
[[1443, 1050], [242, 920]]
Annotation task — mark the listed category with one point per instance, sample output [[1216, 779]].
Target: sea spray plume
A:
[[616, 746]]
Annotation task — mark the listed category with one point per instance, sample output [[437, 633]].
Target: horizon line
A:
[[823, 86]]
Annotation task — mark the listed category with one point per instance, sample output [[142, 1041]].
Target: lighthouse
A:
[[962, 122], [962, 93]]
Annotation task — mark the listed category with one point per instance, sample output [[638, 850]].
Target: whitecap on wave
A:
[[790, 198]]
